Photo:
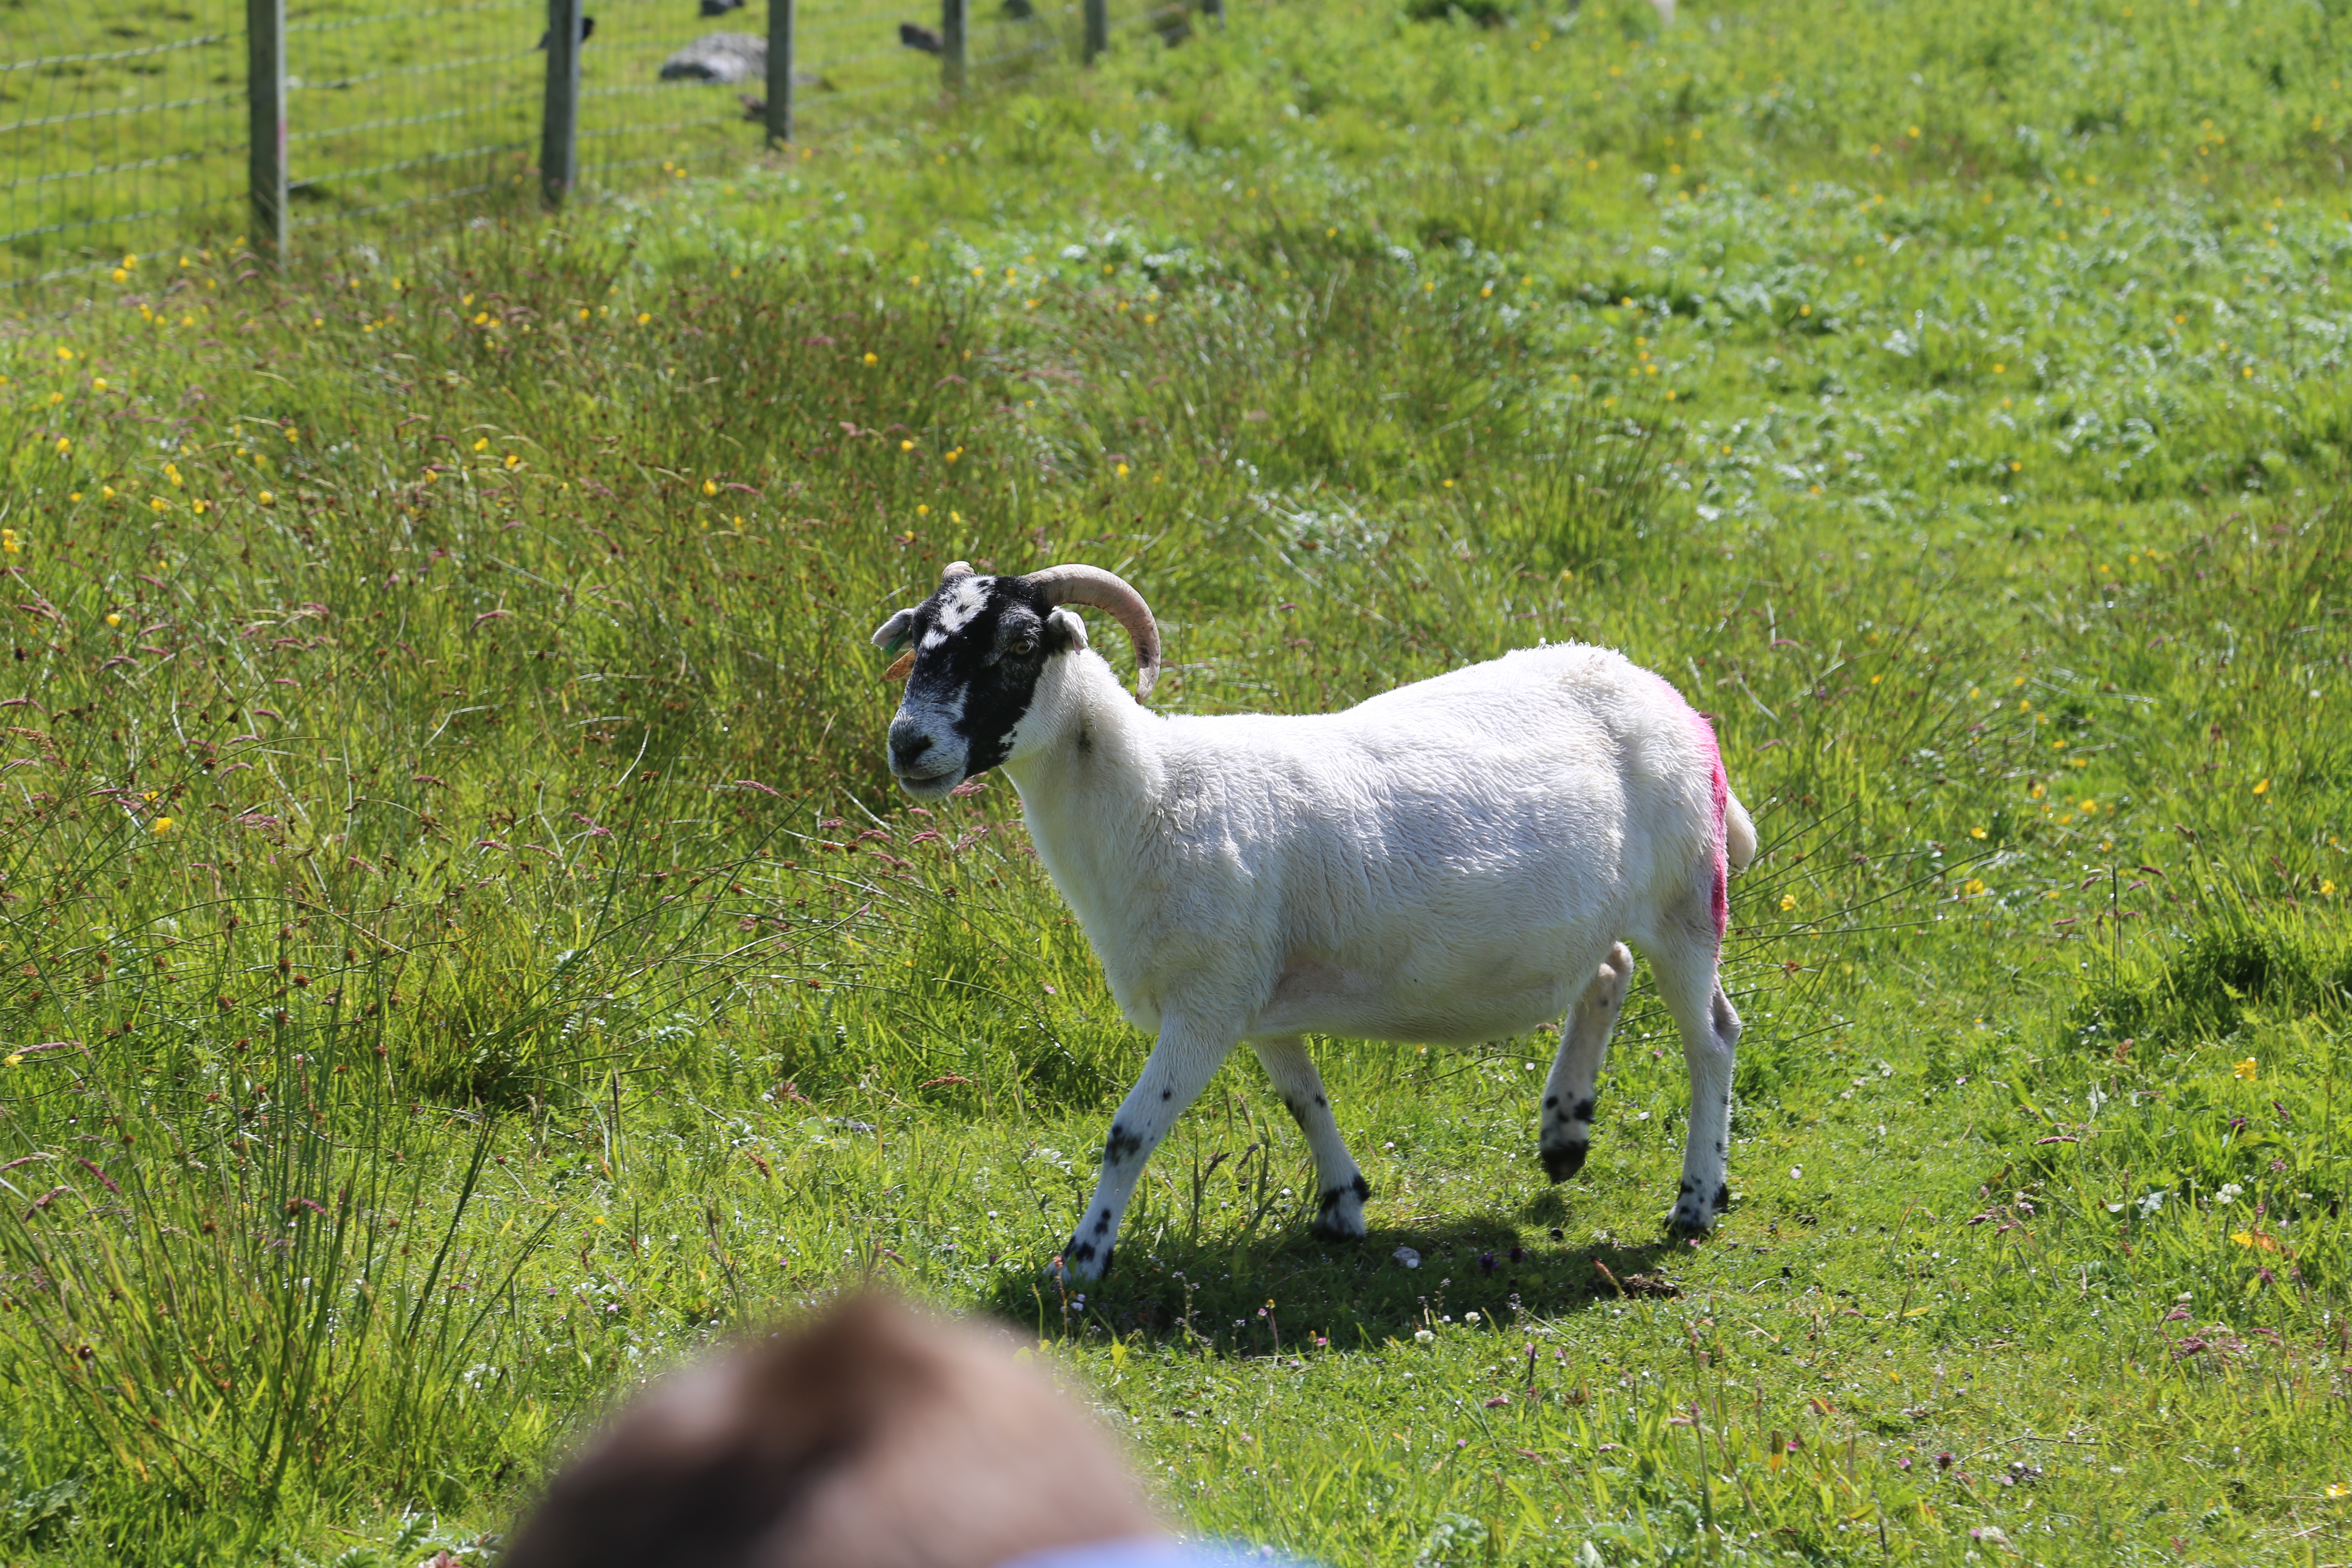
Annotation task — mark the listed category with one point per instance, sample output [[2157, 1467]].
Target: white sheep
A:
[[1454, 861]]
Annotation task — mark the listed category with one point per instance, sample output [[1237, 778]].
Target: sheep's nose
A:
[[908, 743]]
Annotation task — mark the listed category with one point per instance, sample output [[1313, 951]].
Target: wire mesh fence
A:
[[116, 122], [123, 123]]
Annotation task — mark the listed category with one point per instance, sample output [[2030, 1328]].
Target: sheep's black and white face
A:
[[980, 644]]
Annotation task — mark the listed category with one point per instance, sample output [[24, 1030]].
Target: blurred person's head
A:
[[872, 1436]]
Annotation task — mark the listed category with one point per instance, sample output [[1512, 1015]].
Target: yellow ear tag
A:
[[900, 665]]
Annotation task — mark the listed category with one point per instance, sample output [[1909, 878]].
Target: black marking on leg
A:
[[1119, 1145], [1684, 1188], [1167, 1094], [1084, 1251], [1583, 1112], [1550, 1100], [1102, 1222], [1318, 1102], [1723, 1197], [1329, 1201], [1085, 741], [1565, 1159], [1295, 1114]]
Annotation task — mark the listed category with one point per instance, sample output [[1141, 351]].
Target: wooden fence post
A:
[[780, 70], [953, 52], [559, 131], [265, 88], [1098, 28]]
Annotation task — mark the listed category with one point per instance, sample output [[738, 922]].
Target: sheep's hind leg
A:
[[1181, 1067], [1340, 1211], [1685, 968], [1564, 1131]]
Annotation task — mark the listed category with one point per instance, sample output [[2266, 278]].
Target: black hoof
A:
[[1328, 1233], [1563, 1163]]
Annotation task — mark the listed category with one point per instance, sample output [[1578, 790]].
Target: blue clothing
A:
[[1153, 1551]]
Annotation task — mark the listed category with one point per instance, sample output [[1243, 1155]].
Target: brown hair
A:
[[872, 1436]]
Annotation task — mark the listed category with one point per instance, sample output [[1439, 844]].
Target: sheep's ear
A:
[[894, 634], [1070, 631]]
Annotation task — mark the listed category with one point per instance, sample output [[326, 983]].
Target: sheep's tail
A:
[[1739, 834]]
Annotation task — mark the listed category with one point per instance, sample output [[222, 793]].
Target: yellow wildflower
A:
[[2245, 1069], [163, 825], [1788, 902]]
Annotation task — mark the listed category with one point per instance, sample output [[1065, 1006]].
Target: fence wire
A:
[[122, 123], [116, 121]]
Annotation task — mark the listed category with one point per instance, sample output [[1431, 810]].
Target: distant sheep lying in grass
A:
[[872, 1438], [1452, 861]]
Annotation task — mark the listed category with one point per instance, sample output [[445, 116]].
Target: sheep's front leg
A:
[[1340, 1210], [1181, 1067], [1564, 1132]]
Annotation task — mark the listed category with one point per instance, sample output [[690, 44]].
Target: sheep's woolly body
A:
[[1452, 861], [1445, 862]]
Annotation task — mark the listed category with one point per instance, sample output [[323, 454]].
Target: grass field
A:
[[122, 127], [463, 952]]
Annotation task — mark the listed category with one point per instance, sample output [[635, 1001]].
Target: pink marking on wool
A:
[[1719, 798], [1719, 792]]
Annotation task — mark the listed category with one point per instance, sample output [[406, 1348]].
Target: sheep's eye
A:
[[1025, 644]]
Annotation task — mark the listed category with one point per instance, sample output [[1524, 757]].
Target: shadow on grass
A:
[[1267, 1293]]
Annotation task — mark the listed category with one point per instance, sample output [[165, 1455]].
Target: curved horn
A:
[[954, 570], [1092, 586]]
